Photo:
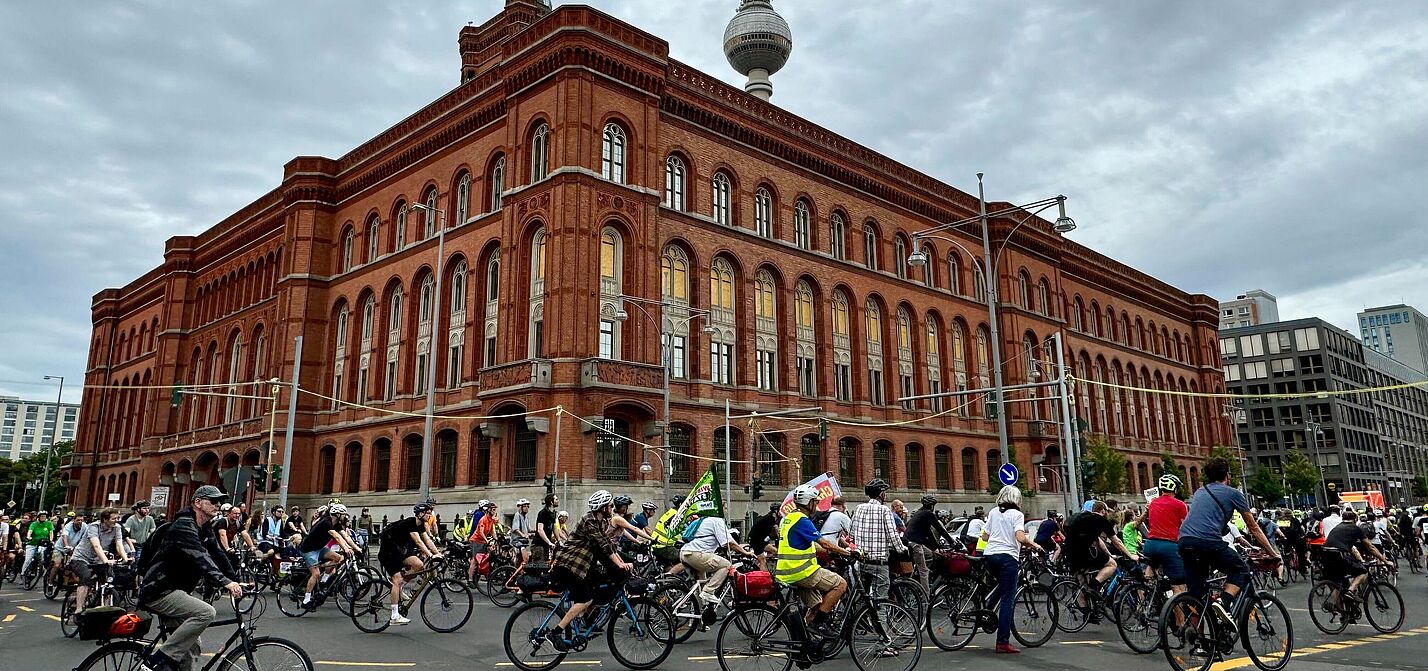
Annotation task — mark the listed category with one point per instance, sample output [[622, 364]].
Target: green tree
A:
[[1420, 486], [1168, 465], [1233, 456], [1266, 484], [1111, 467], [1300, 475]]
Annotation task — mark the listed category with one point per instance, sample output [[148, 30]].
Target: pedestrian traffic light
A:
[[756, 489], [276, 478], [260, 480], [549, 484], [993, 407], [822, 429], [177, 397]]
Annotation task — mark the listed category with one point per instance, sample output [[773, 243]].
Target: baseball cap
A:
[[210, 493]]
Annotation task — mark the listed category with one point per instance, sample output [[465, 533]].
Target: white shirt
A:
[[976, 527], [837, 524], [1001, 530], [1232, 536], [712, 534], [1381, 526], [1329, 523]]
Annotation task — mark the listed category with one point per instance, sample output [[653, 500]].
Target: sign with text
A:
[[159, 497], [827, 487]]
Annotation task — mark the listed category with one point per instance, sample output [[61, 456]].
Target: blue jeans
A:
[[1005, 568], [1201, 555]]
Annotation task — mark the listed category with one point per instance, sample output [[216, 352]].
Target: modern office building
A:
[[1371, 440], [29, 426], [1398, 331], [599, 198], [1256, 306]]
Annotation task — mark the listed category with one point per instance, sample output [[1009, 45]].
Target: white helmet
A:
[[563, 514], [600, 499], [481, 505], [337, 509], [523, 502], [804, 495]]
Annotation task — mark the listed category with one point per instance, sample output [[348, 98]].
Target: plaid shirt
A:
[[874, 530], [589, 542]]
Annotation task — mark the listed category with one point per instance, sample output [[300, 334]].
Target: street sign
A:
[[11, 504], [114, 497], [1008, 474], [159, 497]]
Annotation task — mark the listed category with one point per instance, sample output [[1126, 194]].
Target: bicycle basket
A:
[[529, 583], [125, 577], [754, 585], [953, 564], [94, 623], [1263, 561]]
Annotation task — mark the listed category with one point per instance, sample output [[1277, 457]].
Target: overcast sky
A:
[[1218, 145]]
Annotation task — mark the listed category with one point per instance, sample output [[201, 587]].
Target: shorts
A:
[[314, 557], [539, 552], [815, 586], [1201, 555], [393, 561], [1339, 565], [580, 590], [479, 548], [1087, 560], [1165, 555], [81, 569]]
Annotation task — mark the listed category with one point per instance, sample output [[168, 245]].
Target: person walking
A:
[[1005, 536]]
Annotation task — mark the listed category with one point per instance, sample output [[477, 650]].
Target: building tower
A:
[[757, 42]]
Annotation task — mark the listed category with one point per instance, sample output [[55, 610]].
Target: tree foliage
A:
[[1167, 465], [1232, 456], [1266, 485], [1111, 466], [1300, 475], [31, 468]]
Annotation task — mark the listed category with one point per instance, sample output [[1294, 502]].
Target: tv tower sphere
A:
[[757, 42]]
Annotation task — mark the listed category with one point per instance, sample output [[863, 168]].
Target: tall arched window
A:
[[612, 153], [491, 320], [1078, 311], [929, 269], [959, 366], [766, 331], [802, 225], [873, 325], [979, 284], [954, 273], [339, 357], [1023, 290], [900, 256], [904, 357], [1043, 297], [349, 241], [463, 198], [983, 367], [400, 234], [842, 349], [394, 345], [611, 273], [535, 344], [235, 366], [456, 327], [364, 352], [722, 317], [674, 289], [373, 230], [498, 181], [719, 190], [763, 212], [932, 351], [428, 215], [837, 237], [870, 246], [426, 307], [540, 153], [674, 183], [806, 339], [1029, 367]]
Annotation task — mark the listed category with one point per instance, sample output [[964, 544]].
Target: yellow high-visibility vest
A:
[[794, 564], [663, 532]]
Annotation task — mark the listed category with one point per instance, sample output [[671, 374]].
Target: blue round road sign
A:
[[1008, 474]]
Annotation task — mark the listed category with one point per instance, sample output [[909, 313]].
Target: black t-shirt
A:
[[398, 534], [1083, 531], [1294, 531], [1345, 536], [763, 532], [545, 519], [317, 537], [292, 527], [222, 524]]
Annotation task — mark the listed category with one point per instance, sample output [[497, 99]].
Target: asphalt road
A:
[[30, 639]]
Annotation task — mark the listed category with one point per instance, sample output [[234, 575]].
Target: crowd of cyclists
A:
[[1209, 544]]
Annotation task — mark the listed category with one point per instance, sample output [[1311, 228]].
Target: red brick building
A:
[[574, 162]]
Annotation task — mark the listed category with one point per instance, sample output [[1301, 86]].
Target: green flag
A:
[[703, 499]]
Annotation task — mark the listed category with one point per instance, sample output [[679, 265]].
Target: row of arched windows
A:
[[126, 408], [1160, 341], [238, 288], [241, 359], [1166, 417], [137, 341]]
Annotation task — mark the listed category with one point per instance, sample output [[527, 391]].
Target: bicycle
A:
[[774, 638], [644, 629], [1082, 603], [38, 569], [102, 592], [682, 598], [346, 580], [1137, 607], [446, 603], [965, 605], [59, 578], [1193, 637], [1376, 599], [242, 650]]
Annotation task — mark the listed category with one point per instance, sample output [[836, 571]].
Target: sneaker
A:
[[710, 617], [823, 627], [1221, 613], [400, 619], [309, 605], [1006, 649], [557, 640], [158, 662]]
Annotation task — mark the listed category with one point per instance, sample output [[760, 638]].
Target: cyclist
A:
[[1202, 547], [875, 533], [762, 536], [562, 527], [229, 528], [624, 529], [482, 537], [701, 555], [666, 537], [521, 529], [326, 541], [404, 545], [1330, 521], [99, 540], [1164, 516], [545, 529], [1047, 532], [797, 565], [590, 548], [138, 526], [836, 524], [1292, 531], [39, 532], [1346, 562], [178, 556], [642, 520], [1005, 535], [68, 539], [1086, 549]]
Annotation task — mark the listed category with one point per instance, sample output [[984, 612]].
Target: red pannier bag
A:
[[483, 563], [754, 585], [954, 564]]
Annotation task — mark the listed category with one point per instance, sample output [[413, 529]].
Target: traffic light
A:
[[1088, 473], [176, 398], [822, 429], [756, 489], [276, 479], [260, 479], [993, 407], [549, 484]]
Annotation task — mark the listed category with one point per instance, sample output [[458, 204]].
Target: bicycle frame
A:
[[601, 619]]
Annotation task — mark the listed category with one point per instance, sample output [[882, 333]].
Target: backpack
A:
[[1370, 531], [820, 517], [691, 530], [150, 549]]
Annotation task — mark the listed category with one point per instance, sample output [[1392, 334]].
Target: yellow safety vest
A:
[[663, 531], [794, 564]]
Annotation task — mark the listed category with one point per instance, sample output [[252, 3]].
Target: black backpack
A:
[[150, 549], [819, 517]]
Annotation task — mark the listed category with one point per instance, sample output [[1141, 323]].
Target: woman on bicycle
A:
[[590, 547], [1005, 536]]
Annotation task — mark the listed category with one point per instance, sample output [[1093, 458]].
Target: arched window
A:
[[674, 289], [873, 325], [979, 284], [837, 236], [493, 295], [1095, 318], [373, 230], [1043, 297], [456, 327], [904, 357], [959, 365], [400, 234], [1078, 310], [674, 183], [802, 225], [235, 366], [612, 153], [535, 343], [394, 344], [498, 181], [954, 272], [611, 274], [719, 189], [722, 317], [1023, 290], [349, 240], [763, 212], [900, 256], [364, 381], [929, 267], [426, 307], [339, 357], [870, 246], [463, 198], [540, 153], [806, 339], [428, 215], [842, 349], [766, 331], [932, 352], [674, 274]]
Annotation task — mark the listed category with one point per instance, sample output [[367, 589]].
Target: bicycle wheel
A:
[[909, 595], [52, 587], [1187, 634], [1383, 605], [685, 611], [746, 640], [1138, 618], [33, 577], [1034, 617], [1073, 606], [1322, 610], [371, 610], [952, 616], [352, 582], [68, 626], [114, 656], [496, 589], [446, 605], [1266, 633], [290, 595], [525, 636], [269, 654], [640, 633], [886, 636]]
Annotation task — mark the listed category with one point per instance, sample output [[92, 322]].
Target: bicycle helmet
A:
[[337, 509], [876, 487], [929, 500], [422, 508], [128, 625], [600, 499], [43, 512], [676, 501], [648, 505], [1169, 483], [563, 514], [481, 505], [621, 501], [523, 502], [804, 495]]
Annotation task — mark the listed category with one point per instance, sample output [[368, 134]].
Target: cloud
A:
[[1219, 146]]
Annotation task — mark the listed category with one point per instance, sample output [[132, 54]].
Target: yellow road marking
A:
[[52, 617], [713, 657], [10, 617], [1239, 662], [586, 662], [27, 609], [1080, 642], [380, 664]]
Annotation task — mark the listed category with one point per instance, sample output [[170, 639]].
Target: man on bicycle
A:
[[545, 529], [183, 554], [1086, 549], [1163, 519], [67, 540], [580, 560], [700, 553], [325, 541], [405, 543], [875, 534], [797, 565], [482, 536], [99, 541], [521, 529], [666, 537], [1202, 547], [1346, 561]]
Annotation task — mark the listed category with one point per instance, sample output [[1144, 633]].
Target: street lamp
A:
[[1316, 431], [990, 263], [666, 359], [427, 447], [59, 422], [1233, 413]]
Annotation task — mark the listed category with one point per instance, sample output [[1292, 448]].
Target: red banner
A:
[[827, 487]]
